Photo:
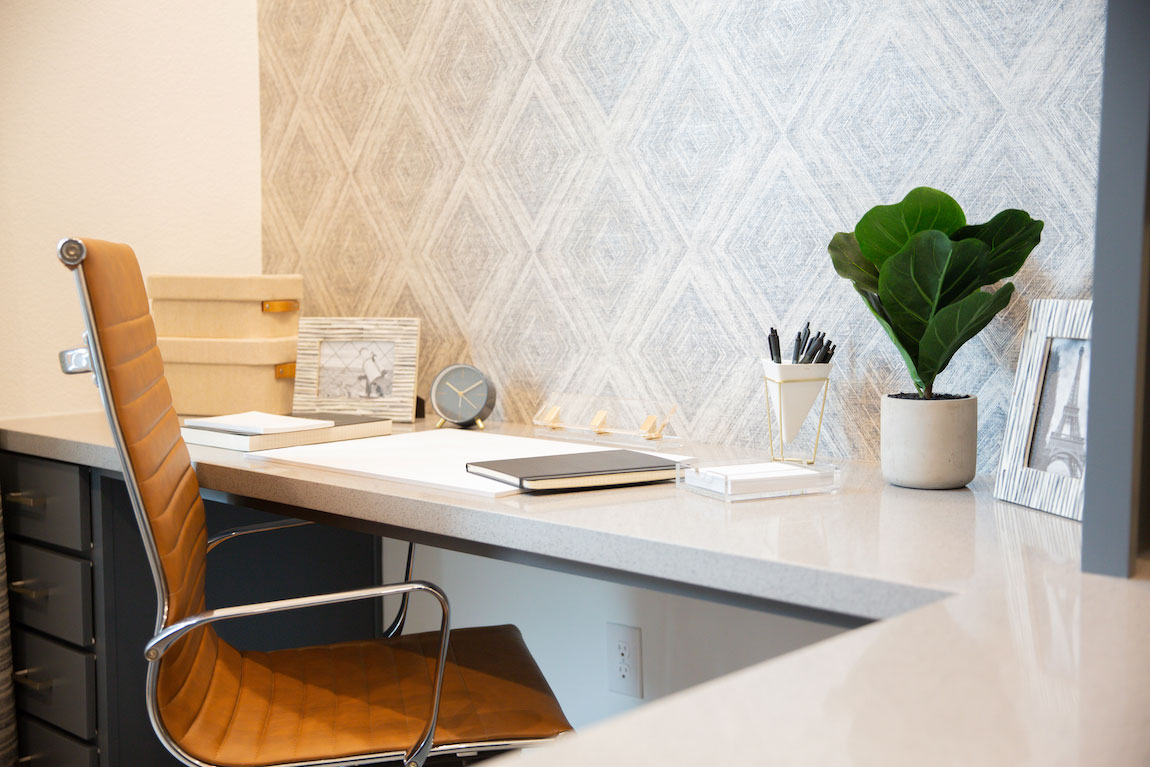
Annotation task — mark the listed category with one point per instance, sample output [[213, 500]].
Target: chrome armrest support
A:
[[396, 626], [418, 753], [76, 361], [263, 527]]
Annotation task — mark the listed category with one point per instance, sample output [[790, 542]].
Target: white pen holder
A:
[[792, 389]]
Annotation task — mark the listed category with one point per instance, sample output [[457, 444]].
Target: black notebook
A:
[[575, 470]]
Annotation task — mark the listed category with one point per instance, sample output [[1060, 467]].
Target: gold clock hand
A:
[[469, 388], [449, 386], [464, 399]]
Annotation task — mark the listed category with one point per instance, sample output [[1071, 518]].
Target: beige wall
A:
[[131, 120]]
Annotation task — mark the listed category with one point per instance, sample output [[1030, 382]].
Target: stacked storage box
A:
[[228, 342]]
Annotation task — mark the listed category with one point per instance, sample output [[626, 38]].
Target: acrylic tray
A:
[[747, 480]]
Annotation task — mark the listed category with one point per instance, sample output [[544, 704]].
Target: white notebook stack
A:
[[255, 430]]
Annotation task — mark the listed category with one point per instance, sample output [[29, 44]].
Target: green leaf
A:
[[930, 273], [885, 229], [1010, 235], [849, 262], [957, 324], [876, 308]]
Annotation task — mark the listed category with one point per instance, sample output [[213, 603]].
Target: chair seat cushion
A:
[[370, 697]]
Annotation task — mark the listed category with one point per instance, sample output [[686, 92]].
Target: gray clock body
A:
[[462, 395]]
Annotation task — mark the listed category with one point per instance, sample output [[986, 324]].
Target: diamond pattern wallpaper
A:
[[620, 197]]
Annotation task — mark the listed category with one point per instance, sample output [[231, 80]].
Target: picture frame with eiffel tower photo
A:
[[1044, 450]]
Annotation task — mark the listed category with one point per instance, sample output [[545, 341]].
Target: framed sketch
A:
[[1044, 451], [357, 365]]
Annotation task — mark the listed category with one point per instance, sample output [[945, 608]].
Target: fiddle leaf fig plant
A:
[[920, 269]]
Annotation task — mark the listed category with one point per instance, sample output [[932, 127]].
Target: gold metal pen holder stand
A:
[[608, 421], [791, 392]]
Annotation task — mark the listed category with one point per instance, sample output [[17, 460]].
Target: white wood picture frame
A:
[[1044, 448], [357, 365]]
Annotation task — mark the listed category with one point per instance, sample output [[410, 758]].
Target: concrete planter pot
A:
[[929, 444]]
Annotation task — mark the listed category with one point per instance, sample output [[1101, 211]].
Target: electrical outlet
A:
[[624, 660]]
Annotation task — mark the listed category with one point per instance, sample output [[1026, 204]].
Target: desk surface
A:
[[995, 649]]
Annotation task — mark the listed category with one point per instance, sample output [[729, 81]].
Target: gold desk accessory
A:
[[607, 420]]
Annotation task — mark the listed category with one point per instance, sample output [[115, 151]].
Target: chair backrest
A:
[[157, 469]]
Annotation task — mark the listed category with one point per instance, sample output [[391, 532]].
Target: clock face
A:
[[461, 394]]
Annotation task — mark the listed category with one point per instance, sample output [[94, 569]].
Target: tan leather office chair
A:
[[404, 697]]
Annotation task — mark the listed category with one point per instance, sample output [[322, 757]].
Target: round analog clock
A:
[[462, 395]]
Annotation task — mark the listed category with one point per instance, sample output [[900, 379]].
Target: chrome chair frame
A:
[[396, 626], [72, 253], [260, 527]]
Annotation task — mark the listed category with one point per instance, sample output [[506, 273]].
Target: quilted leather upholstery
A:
[[229, 707]]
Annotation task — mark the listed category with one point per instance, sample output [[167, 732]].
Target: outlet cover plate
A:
[[624, 660]]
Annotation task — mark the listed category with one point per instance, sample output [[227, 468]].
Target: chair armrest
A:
[[396, 626], [263, 527], [418, 753]]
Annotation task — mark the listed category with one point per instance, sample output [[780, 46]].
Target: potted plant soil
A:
[[922, 270]]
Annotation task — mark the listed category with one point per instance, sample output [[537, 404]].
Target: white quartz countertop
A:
[[991, 648]]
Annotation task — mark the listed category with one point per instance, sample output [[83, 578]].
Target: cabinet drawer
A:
[[42, 746], [51, 592], [55, 682], [47, 501]]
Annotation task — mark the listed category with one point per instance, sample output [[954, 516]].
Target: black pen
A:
[[827, 345], [798, 347], [816, 346], [773, 343], [806, 337], [817, 338]]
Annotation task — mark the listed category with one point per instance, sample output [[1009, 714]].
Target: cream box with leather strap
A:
[[226, 306], [217, 376]]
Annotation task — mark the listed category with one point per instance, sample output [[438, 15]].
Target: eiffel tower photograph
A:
[[1058, 445]]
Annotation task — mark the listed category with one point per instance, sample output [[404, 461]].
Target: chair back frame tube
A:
[[72, 252]]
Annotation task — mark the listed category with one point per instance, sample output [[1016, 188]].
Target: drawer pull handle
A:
[[27, 589], [29, 759], [25, 498], [24, 678]]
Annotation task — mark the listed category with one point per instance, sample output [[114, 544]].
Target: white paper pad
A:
[[257, 422], [431, 458]]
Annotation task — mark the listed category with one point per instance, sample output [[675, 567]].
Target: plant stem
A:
[[928, 392]]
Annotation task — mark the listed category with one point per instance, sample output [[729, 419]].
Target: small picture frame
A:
[[363, 365], [1043, 463]]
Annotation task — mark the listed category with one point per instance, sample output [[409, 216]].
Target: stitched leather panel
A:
[[163, 470], [239, 708], [372, 696]]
